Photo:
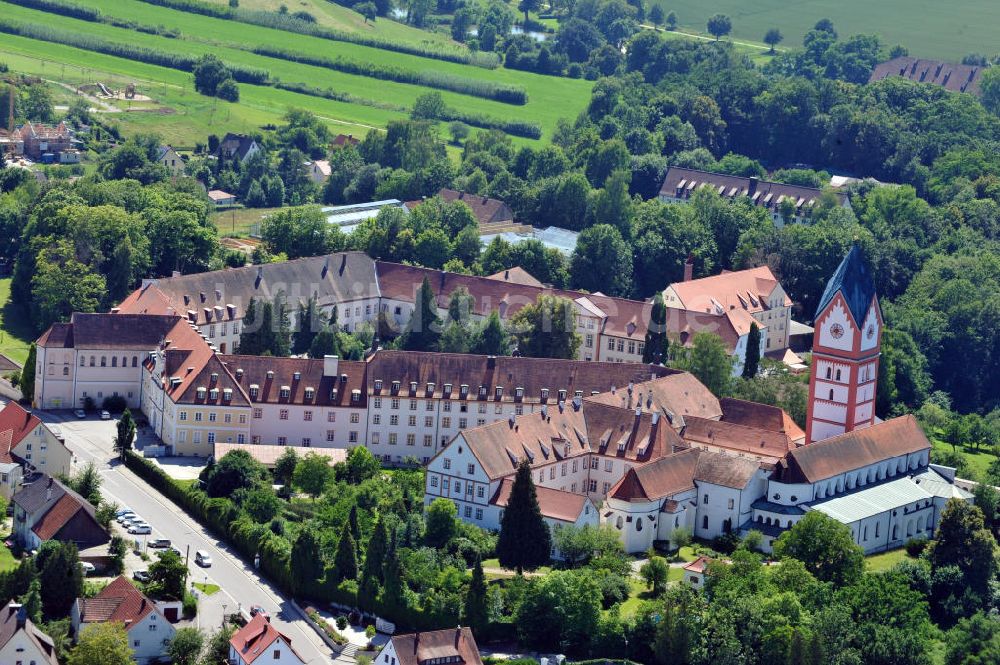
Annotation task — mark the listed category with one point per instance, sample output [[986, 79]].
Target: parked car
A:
[[159, 543], [140, 529], [257, 609], [141, 576], [203, 559], [88, 568], [126, 517], [177, 551], [123, 511], [80, 413], [105, 415]]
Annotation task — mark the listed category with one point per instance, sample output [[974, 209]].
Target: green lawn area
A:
[[928, 29], [879, 563], [979, 461], [495, 564], [185, 484], [550, 98], [206, 588], [238, 221], [7, 560], [16, 333]]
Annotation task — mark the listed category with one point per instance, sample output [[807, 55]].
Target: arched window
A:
[[829, 370], [104, 361], [135, 360], [83, 360], [789, 524], [831, 394], [838, 375], [619, 522], [92, 361], [65, 371], [638, 524], [124, 361], [114, 361], [704, 522]]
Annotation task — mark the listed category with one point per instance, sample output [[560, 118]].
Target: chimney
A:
[[689, 268], [752, 187], [260, 276], [416, 642], [458, 636], [491, 362], [22, 615]]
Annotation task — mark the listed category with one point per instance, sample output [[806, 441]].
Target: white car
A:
[[124, 510], [88, 568], [80, 413], [125, 517], [105, 415], [203, 559], [140, 529]]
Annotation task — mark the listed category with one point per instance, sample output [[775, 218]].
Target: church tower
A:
[[846, 346]]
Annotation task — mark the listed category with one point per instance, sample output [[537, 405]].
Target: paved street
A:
[[90, 440]]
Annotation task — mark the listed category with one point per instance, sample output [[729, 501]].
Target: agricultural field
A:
[[180, 111], [928, 29]]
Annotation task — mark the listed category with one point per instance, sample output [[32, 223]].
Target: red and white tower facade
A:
[[846, 346]]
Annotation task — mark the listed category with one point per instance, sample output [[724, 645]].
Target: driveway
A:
[[241, 587]]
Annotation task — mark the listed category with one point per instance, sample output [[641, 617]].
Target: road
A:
[[90, 440]]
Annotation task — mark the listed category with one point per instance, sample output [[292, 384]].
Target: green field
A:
[[16, 333], [929, 29], [879, 563], [979, 460], [549, 98]]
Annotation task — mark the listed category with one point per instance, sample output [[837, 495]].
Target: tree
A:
[[359, 466], [87, 483], [37, 104], [186, 646], [260, 503], [671, 20], [237, 469], [61, 577], [654, 573], [964, 541], [493, 338], [372, 574], [656, 15], [441, 524], [989, 86], [475, 613], [368, 10], [547, 329], [528, 6], [168, 575], [459, 131], [424, 327], [752, 362], [310, 322], [570, 601], [62, 285], [125, 428], [678, 630], [428, 106], [525, 541], [345, 563], [117, 549], [209, 72], [312, 474], [825, 546], [719, 25], [105, 643], [284, 466], [709, 360], [217, 647], [306, 562], [657, 344], [973, 641], [26, 382], [32, 601], [602, 261], [773, 37], [325, 343]]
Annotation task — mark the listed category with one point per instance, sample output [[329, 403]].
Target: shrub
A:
[[916, 546], [114, 404], [342, 622], [189, 606]]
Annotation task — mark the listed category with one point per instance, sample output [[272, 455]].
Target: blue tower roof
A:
[[854, 281]]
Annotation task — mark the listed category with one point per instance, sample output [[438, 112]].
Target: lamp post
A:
[[223, 615]]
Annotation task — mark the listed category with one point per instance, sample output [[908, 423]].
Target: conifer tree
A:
[[125, 433], [657, 345], [753, 352], [250, 336], [393, 596], [310, 323], [424, 328], [525, 541], [475, 614], [345, 563], [373, 572], [493, 340], [27, 382], [352, 520]]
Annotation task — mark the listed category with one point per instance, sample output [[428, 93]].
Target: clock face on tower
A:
[[837, 330], [870, 332]]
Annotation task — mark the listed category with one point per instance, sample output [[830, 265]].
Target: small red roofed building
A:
[[149, 632], [260, 643], [344, 141], [846, 348], [40, 140], [451, 646], [694, 571]]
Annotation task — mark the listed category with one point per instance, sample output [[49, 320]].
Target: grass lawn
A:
[[16, 333], [206, 588], [879, 563], [185, 484], [238, 221], [7, 560], [495, 564], [928, 29], [979, 461]]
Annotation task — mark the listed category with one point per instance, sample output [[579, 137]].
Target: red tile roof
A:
[[256, 637], [753, 441], [742, 290], [678, 394], [56, 518], [950, 76], [681, 183], [853, 450], [761, 416], [9, 628], [19, 423], [250, 371], [516, 275], [119, 601], [485, 209], [453, 643], [554, 504], [657, 480]]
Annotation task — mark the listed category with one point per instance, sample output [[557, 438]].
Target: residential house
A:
[[487, 211], [260, 643], [45, 509], [149, 632], [237, 146], [951, 76], [558, 509], [451, 646], [221, 198], [40, 140], [31, 443], [785, 203], [694, 572], [319, 170], [169, 158], [344, 141], [21, 642]]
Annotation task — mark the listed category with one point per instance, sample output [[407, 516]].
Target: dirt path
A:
[[100, 106]]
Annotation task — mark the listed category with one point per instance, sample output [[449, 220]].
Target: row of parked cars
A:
[[135, 525]]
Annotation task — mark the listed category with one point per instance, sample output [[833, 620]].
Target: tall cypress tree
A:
[[373, 572], [352, 520], [310, 323], [345, 563], [27, 382], [250, 336], [474, 613], [306, 562], [752, 363], [393, 596], [525, 540], [657, 345], [281, 332], [424, 327]]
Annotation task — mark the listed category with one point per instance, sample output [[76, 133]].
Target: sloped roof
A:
[[951, 76], [249, 371], [19, 422], [681, 182], [872, 500], [189, 358], [454, 643], [256, 638], [677, 394], [659, 479], [854, 280], [9, 628], [56, 517], [725, 470], [745, 290], [853, 450], [516, 275], [8, 364], [740, 438], [58, 336], [761, 416], [554, 504], [108, 331], [119, 601]]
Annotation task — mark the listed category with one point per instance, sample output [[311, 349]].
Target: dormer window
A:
[[215, 377], [447, 389], [254, 390], [270, 374], [355, 395], [562, 395], [463, 390], [286, 391], [227, 394], [395, 387], [413, 387], [578, 393], [430, 387], [333, 395], [378, 385], [519, 392], [310, 392], [482, 391], [498, 391], [213, 394], [296, 376], [545, 393], [200, 393]]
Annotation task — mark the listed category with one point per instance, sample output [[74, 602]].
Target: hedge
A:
[[130, 51], [508, 94], [523, 128], [289, 23], [73, 10], [336, 95]]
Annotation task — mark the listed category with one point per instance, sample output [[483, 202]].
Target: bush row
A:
[[337, 95], [290, 23], [130, 51], [523, 128], [73, 10], [500, 92]]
